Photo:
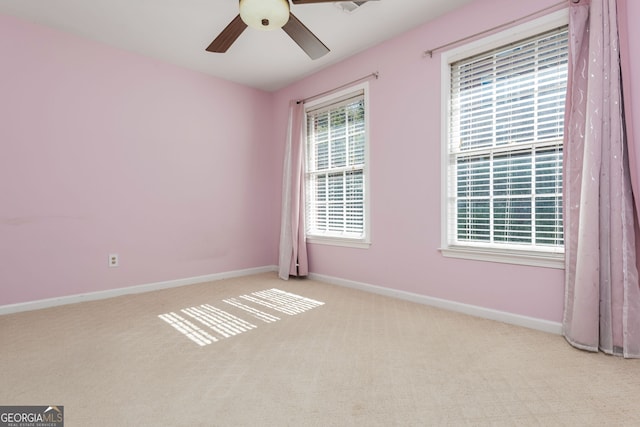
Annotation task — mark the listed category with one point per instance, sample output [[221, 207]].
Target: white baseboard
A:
[[487, 313], [92, 296], [473, 310]]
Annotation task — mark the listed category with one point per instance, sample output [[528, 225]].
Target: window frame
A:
[[548, 259], [337, 97]]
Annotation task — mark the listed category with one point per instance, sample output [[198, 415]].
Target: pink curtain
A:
[[293, 248], [602, 298]]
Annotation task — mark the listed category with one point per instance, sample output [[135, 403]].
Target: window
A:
[[504, 151], [336, 169]]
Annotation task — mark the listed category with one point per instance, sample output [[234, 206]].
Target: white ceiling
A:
[[178, 31]]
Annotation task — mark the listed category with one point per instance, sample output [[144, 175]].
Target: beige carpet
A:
[[358, 359]]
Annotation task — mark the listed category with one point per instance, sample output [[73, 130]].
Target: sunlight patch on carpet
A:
[[219, 321], [188, 329], [284, 302], [265, 317], [206, 324]]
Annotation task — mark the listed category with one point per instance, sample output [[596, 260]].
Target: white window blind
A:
[[506, 127], [335, 168]]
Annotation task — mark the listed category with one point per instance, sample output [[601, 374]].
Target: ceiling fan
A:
[[271, 15]]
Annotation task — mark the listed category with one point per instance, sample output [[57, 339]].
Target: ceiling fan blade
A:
[[229, 35], [325, 1], [305, 38]]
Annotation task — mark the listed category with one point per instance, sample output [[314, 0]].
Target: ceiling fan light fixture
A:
[[264, 14]]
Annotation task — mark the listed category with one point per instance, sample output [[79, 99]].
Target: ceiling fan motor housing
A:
[[264, 14]]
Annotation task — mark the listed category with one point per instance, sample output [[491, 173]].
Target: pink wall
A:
[[405, 176], [106, 151]]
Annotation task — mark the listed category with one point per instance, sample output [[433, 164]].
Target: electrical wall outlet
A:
[[114, 261]]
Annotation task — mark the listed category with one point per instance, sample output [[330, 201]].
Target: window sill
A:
[[337, 241], [536, 259]]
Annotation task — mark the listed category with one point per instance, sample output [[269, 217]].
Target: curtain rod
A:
[[497, 27], [318, 95]]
